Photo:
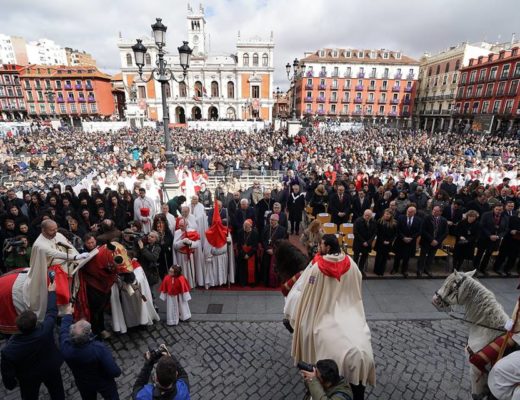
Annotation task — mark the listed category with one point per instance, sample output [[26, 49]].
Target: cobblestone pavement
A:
[[251, 360]]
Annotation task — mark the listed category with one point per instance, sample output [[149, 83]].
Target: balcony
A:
[[410, 76], [385, 76], [321, 112], [60, 100], [398, 76], [89, 87], [381, 101], [384, 88], [405, 114], [492, 77], [359, 87], [309, 74], [370, 101], [322, 86], [346, 87], [323, 74], [361, 75], [78, 86], [308, 87], [70, 100], [320, 99], [91, 99], [347, 75], [406, 101], [307, 99], [357, 112], [408, 89], [371, 88], [357, 100], [345, 100], [380, 113], [392, 114], [68, 87], [333, 100], [394, 101], [504, 77], [82, 100], [343, 113], [333, 87], [500, 93], [396, 88], [332, 112]]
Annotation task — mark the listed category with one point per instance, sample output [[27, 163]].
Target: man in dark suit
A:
[[408, 229], [453, 215], [493, 226], [480, 205], [510, 246], [360, 203], [339, 206], [365, 229], [31, 357], [245, 211], [262, 208], [271, 234], [433, 232]]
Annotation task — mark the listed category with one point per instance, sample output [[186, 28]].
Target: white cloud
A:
[[412, 26]]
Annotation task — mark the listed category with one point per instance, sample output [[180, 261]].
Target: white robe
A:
[[177, 307], [128, 307], [146, 221], [201, 218], [192, 265], [218, 259], [172, 222], [45, 252]]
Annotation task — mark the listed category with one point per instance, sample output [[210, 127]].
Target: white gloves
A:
[[508, 325], [187, 242], [82, 256]]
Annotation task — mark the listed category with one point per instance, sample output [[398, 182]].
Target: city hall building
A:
[[233, 86]]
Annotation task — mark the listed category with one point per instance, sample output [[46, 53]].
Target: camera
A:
[[303, 366], [15, 245], [157, 352]]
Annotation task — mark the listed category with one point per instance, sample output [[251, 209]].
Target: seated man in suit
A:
[[433, 232]]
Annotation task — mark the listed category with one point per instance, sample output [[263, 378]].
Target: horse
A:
[[100, 272], [483, 313], [324, 309]]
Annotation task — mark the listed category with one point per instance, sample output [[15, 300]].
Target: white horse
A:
[[482, 310]]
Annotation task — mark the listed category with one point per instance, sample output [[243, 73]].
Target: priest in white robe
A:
[[188, 253], [199, 212], [144, 210], [172, 223], [51, 250]]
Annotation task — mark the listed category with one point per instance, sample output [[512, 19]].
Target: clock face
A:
[[195, 39]]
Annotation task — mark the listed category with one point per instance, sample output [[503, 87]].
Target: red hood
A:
[[334, 269]]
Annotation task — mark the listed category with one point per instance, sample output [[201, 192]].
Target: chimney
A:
[[513, 38]]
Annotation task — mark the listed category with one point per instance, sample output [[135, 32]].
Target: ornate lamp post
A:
[[163, 74], [298, 71]]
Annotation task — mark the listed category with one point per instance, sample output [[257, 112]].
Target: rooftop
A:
[[359, 56]]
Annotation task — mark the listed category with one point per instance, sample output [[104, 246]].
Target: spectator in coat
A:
[[90, 361], [262, 208], [408, 230], [466, 235], [318, 200], [360, 203], [453, 215], [433, 232], [386, 234], [31, 358], [510, 247], [205, 197], [295, 206], [493, 227], [339, 206], [365, 229]]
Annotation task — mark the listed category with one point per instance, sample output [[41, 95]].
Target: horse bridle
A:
[[455, 290]]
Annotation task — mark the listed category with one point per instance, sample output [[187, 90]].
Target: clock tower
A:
[[197, 31]]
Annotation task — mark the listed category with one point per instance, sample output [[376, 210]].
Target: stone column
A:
[[442, 124], [425, 123], [450, 127], [433, 125]]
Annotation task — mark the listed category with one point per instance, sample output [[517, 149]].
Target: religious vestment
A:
[[144, 211], [189, 256], [175, 290]]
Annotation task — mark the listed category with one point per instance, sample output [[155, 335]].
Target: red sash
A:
[[62, 285]]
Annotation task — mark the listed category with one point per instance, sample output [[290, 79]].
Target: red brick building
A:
[[373, 85], [488, 98], [12, 103], [72, 94]]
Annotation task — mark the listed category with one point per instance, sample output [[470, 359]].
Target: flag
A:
[[204, 91], [217, 232]]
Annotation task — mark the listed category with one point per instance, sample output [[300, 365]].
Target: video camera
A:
[[14, 245], [136, 236], [303, 366], [157, 352]]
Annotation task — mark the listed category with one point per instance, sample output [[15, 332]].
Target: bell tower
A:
[[197, 31]]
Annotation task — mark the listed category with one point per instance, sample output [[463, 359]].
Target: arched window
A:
[[447, 69], [214, 89], [182, 89], [265, 60], [230, 90], [438, 70], [255, 60], [198, 89], [128, 60], [147, 59], [457, 65], [246, 60]]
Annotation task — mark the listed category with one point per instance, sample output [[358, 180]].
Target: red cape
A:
[[217, 232], [331, 268], [174, 286]]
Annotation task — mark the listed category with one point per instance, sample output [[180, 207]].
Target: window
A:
[[386, 73], [347, 84], [472, 76], [214, 89], [333, 108], [83, 108], [398, 55], [513, 89], [308, 107], [29, 96], [128, 60], [463, 78], [27, 85], [482, 75], [475, 107], [245, 60], [457, 65], [265, 60], [230, 90], [38, 85], [501, 88], [384, 85], [43, 109], [496, 106], [32, 108], [182, 89], [385, 55], [489, 89], [517, 70], [53, 108], [485, 107], [58, 85], [444, 79], [348, 72], [493, 73], [469, 92], [335, 72], [447, 67], [360, 54], [255, 60], [505, 71], [81, 96], [335, 54], [168, 90], [48, 84], [322, 53], [40, 96], [73, 108], [63, 108], [348, 54], [373, 73], [509, 106], [147, 59], [438, 70], [93, 108], [142, 92], [334, 84], [198, 89], [454, 78], [478, 93], [255, 89]]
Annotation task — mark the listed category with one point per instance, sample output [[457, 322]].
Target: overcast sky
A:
[[413, 26]]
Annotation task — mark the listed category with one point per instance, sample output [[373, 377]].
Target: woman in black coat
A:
[[386, 234], [466, 235], [160, 225], [318, 200], [116, 211]]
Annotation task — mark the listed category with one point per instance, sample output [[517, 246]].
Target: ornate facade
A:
[[218, 86]]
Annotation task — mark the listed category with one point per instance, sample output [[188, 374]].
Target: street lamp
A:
[[298, 71], [163, 74]]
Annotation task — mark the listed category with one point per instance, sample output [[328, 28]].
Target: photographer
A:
[[148, 253], [324, 382], [170, 381], [17, 253]]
